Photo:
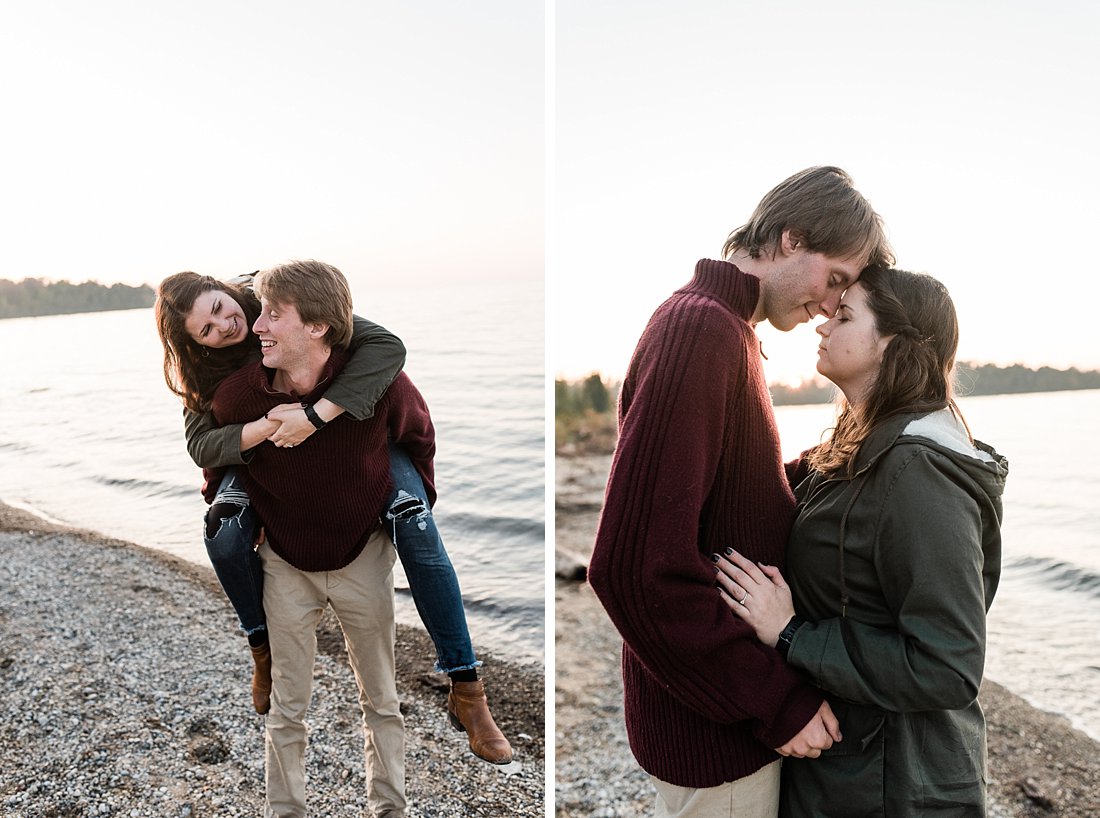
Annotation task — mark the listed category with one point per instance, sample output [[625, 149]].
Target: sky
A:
[[972, 127], [390, 139]]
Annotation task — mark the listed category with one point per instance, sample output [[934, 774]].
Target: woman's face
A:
[[216, 320], [851, 347]]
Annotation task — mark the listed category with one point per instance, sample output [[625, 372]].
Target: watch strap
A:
[[314, 418], [787, 635]]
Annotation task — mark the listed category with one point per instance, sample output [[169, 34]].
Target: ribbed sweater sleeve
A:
[[695, 470], [410, 427]]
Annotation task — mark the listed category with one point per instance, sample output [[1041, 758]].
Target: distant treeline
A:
[[970, 379], [35, 296], [593, 395], [588, 395]]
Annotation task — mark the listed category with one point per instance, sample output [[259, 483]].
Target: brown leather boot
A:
[[469, 712], [261, 678]]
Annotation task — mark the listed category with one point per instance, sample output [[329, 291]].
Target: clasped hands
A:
[[289, 425], [761, 598]]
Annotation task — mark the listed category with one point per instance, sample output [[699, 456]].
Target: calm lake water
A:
[[91, 436], [1044, 626]]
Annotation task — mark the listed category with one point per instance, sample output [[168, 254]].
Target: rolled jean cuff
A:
[[440, 669]]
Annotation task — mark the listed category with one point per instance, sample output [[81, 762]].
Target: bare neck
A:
[[302, 377]]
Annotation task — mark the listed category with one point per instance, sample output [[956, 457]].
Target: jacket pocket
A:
[[861, 726], [848, 778]]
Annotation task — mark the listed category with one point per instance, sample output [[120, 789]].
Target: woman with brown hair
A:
[[893, 561], [205, 328]]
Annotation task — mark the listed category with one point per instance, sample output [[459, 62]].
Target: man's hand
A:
[[819, 734]]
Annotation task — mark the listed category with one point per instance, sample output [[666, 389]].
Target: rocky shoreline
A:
[[1039, 765], [125, 693]]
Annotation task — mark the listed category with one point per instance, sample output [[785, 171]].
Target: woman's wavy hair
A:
[[191, 370], [916, 373]]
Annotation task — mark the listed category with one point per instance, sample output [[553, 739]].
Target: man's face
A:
[[805, 284], [284, 339]]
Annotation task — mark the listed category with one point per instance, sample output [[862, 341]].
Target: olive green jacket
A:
[[377, 358], [895, 569]]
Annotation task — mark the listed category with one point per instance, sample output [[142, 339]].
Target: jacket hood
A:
[[944, 432]]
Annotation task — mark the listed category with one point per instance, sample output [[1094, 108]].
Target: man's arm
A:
[[646, 566], [411, 428]]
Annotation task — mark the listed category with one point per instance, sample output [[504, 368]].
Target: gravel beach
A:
[[1038, 764], [126, 693]]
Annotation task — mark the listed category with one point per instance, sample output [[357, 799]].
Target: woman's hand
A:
[[256, 432], [294, 426], [756, 593]]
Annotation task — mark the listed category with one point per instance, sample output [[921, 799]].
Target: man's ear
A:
[[318, 330], [790, 241]]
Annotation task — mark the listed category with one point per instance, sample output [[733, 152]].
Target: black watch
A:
[[314, 418], [784, 643]]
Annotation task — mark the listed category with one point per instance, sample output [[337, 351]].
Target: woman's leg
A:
[[438, 600], [229, 534], [431, 576]]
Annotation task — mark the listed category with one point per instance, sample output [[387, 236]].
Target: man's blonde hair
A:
[[824, 211], [317, 290]]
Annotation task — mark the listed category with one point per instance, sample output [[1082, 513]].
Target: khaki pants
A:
[[755, 796], [361, 595]]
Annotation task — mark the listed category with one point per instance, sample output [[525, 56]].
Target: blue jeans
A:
[[230, 532]]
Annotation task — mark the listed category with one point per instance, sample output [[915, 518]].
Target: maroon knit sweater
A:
[[320, 502], [697, 468]]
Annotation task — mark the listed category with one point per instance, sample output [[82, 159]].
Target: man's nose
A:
[[830, 305]]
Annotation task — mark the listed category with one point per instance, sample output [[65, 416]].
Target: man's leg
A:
[[294, 601], [755, 796], [362, 597]]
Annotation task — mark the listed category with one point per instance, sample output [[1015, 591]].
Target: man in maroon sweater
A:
[[698, 469], [320, 505]]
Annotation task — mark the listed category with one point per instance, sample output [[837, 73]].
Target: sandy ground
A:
[[1038, 764], [125, 693]]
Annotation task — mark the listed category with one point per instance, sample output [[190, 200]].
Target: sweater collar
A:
[[333, 366], [725, 282]]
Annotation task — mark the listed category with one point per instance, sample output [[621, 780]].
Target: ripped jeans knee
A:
[[407, 510], [221, 514], [228, 533]]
